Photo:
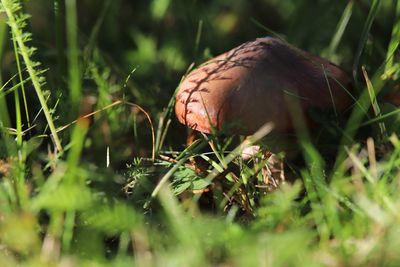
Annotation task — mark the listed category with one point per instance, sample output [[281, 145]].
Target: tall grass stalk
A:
[[59, 31], [69, 224], [364, 35], [21, 82], [18, 120], [78, 139], [395, 40], [17, 23], [4, 116], [73, 57], [17, 98]]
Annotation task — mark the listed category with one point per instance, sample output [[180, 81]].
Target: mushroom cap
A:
[[246, 87]]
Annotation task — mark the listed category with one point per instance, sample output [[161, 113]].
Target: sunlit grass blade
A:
[[21, 83], [69, 223], [359, 165], [17, 98], [18, 120], [374, 103], [395, 40]]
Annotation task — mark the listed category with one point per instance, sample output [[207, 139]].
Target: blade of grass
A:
[[360, 166], [395, 40], [77, 140], [69, 223], [164, 119], [364, 35], [268, 30], [198, 37], [73, 57], [181, 226], [343, 22], [59, 32], [4, 116], [381, 117], [53, 235], [330, 91], [96, 29], [315, 202], [21, 82], [4, 92], [18, 120], [374, 103], [354, 98], [16, 95]]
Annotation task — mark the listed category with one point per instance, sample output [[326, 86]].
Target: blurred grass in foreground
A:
[[90, 193]]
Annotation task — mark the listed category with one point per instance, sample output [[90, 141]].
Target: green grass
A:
[[94, 170]]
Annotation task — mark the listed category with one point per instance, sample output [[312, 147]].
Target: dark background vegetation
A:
[[138, 51], [160, 39]]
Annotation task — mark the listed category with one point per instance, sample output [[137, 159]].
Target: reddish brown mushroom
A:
[[246, 87]]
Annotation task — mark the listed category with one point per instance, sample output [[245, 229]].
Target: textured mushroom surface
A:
[[248, 86]]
